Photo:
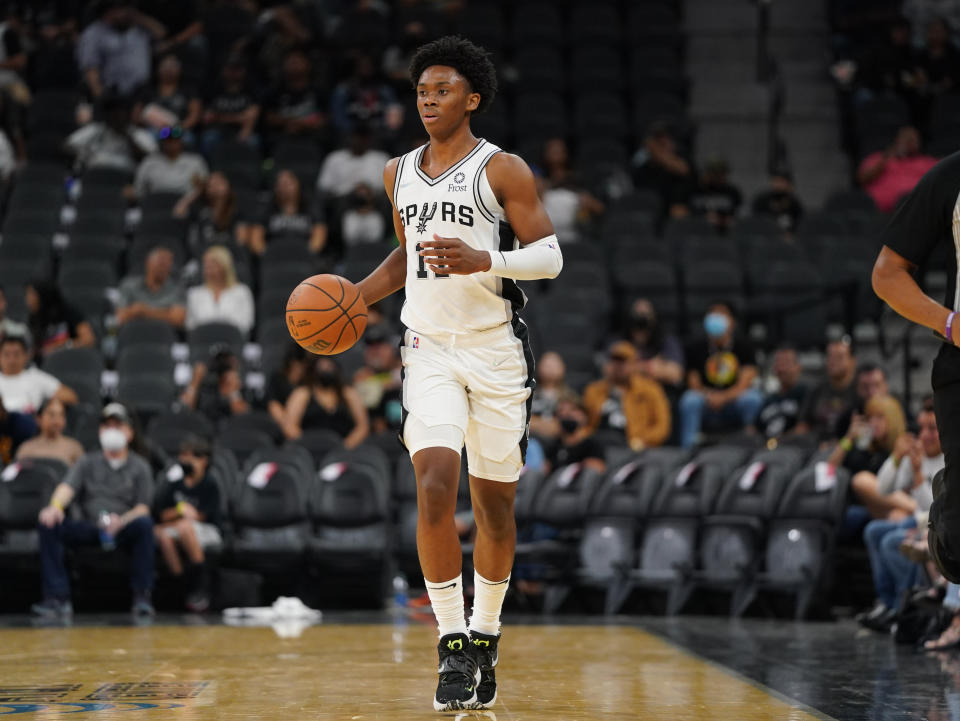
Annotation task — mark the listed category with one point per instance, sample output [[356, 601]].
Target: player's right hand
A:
[[453, 256]]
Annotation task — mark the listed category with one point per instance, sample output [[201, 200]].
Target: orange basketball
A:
[[326, 314]]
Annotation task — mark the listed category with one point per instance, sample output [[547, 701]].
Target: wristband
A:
[[949, 333], [180, 506], [56, 504], [846, 444]]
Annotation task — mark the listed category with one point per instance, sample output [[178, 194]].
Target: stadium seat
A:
[[319, 442], [598, 68], [602, 114], [540, 114], [595, 23], [168, 430], [483, 23], [140, 360], [88, 275], [145, 332], [147, 395], [70, 364], [242, 442], [21, 499], [540, 67], [207, 339], [254, 420], [536, 22]]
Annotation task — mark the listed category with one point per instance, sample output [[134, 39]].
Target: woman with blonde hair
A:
[[871, 436], [221, 298]]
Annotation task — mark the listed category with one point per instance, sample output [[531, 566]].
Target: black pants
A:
[[946, 403]]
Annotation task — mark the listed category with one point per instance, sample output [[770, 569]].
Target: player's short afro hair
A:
[[471, 61]]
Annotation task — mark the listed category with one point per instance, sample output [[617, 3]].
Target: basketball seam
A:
[[349, 319], [343, 311]]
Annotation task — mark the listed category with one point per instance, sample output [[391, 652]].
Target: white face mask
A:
[[113, 439]]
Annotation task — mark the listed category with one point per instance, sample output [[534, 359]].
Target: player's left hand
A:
[[453, 256]]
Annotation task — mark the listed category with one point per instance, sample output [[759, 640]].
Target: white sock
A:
[[487, 602], [447, 601]]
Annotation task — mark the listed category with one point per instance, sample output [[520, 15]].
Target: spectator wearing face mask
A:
[[575, 443], [216, 389], [113, 490], [721, 368], [781, 410], [551, 387], [187, 509], [325, 402], [378, 381], [780, 201], [660, 352]]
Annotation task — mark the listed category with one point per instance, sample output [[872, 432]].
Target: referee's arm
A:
[[894, 283]]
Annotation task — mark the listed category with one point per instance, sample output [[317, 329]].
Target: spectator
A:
[[187, 511], [182, 24], [551, 387], [721, 368], [155, 294], [296, 107], [661, 353], [901, 487], [51, 443], [626, 404], [281, 383], [780, 411], [13, 58], [566, 201], [113, 489], [378, 381], [215, 218], [889, 65], [112, 143], [834, 398], [418, 22], [9, 326], [25, 389], [221, 298], [53, 322], [227, 26], [171, 170], [870, 438], [362, 222], [575, 443], [939, 61], [363, 28], [15, 429], [216, 389], [290, 217], [780, 200], [715, 197], [357, 164], [870, 381], [659, 165], [232, 110], [949, 639], [168, 103], [363, 98], [114, 51], [890, 174], [325, 402], [280, 29]]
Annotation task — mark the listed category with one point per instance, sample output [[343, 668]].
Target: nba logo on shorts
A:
[[416, 341]]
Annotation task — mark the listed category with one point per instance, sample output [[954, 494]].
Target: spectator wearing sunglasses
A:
[[171, 170]]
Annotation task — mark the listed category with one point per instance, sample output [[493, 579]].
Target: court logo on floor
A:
[[59, 699]]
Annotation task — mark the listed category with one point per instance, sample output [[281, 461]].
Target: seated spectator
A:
[[575, 443], [905, 481], [780, 200], [214, 216], [888, 175], [289, 217], [362, 222], [869, 382], [187, 513], [113, 489], [9, 326], [566, 201], [870, 437], [221, 298], [51, 443], [721, 368], [829, 404], [325, 402], [365, 98], [168, 103], [295, 109], [715, 197], [550, 389], [281, 383], [53, 322], [171, 170], [938, 63], [781, 410], [888, 66], [359, 163], [902, 485], [15, 429], [660, 166], [233, 109], [627, 405], [13, 56], [111, 143], [660, 352], [114, 51], [378, 381], [25, 389], [155, 294], [216, 389]]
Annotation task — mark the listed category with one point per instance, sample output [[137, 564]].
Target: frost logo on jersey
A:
[[425, 217], [459, 178], [457, 185]]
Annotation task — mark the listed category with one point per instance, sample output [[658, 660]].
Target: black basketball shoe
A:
[[459, 674], [484, 649]]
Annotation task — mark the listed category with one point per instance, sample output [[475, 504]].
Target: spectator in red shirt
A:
[[889, 175]]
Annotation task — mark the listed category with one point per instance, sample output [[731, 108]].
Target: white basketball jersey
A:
[[457, 204]]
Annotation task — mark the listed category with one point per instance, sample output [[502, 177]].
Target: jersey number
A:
[[422, 271]]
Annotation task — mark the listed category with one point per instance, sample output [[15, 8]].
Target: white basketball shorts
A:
[[471, 390]]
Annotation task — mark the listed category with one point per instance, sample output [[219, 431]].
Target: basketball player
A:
[[927, 226], [470, 223]]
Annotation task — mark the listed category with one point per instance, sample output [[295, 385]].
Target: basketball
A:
[[326, 314]]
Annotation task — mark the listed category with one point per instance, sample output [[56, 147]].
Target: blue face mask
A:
[[716, 324]]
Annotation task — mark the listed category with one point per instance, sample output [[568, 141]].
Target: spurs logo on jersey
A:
[[459, 203]]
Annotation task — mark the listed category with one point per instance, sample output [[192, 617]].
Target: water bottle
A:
[[400, 587], [106, 540]]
